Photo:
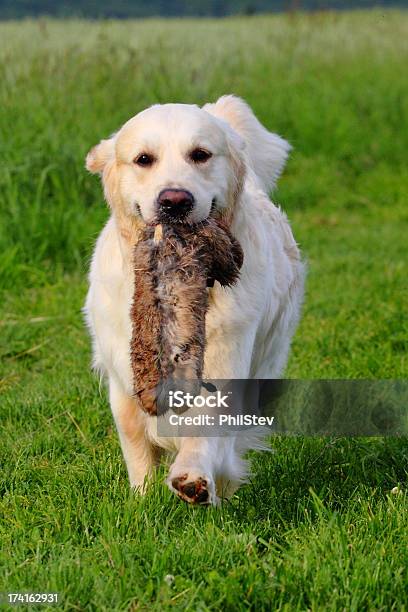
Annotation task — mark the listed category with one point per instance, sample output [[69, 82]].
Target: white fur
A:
[[249, 326], [267, 152]]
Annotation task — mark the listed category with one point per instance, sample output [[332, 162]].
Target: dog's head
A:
[[170, 163]]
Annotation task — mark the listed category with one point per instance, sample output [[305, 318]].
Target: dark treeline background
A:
[[12, 9]]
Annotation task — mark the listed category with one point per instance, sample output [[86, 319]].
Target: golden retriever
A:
[[179, 159]]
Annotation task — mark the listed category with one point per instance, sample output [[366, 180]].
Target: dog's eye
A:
[[144, 159], [199, 156]]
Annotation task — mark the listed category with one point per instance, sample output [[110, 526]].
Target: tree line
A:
[[123, 9]]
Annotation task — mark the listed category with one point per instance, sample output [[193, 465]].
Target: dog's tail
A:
[[266, 152]]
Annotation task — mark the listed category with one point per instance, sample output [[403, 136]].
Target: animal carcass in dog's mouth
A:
[[174, 266]]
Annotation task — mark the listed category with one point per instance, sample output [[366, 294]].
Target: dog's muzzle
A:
[[174, 205]]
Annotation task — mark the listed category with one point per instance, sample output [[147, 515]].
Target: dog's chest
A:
[[108, 305]]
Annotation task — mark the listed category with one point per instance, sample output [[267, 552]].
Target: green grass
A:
[[317, 528]]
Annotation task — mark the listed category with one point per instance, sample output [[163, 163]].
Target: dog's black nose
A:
[[175, 203]]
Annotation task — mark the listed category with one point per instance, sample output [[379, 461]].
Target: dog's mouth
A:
[[163, 217], [168, 219]]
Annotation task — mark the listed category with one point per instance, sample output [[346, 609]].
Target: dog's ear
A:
[[101, 160], [236, 149], [100, 155], [266, 152]]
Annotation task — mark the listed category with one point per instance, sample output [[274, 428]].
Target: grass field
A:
[[317, 528]]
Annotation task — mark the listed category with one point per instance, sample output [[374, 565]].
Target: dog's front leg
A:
[[192, 475], [138, 452], [208, 469]]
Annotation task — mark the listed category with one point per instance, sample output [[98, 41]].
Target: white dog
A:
[[188, 162]]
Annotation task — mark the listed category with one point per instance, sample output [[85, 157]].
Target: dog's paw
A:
[[193, 488]]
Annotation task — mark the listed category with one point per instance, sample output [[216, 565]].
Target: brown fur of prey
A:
[[174, 265]]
